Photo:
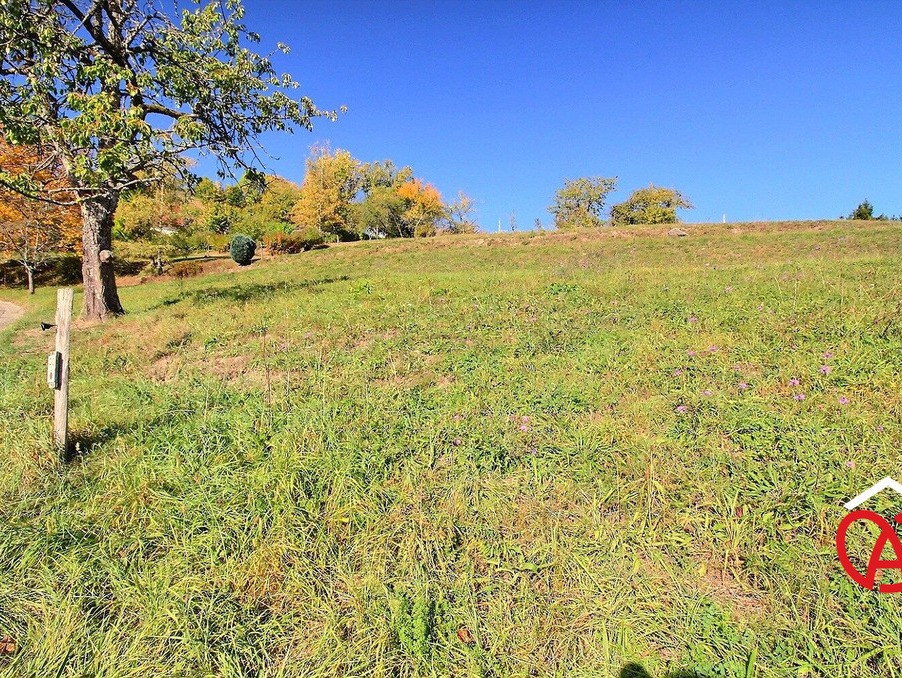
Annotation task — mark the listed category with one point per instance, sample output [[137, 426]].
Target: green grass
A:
[[340, 462]]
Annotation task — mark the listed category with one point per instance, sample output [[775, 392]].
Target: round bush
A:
[[242, 249], [186, 269]]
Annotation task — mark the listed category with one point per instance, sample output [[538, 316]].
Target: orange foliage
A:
[[57, 228], [425, 195], [425, 206]]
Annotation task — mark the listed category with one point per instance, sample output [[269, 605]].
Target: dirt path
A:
[[9, 313]]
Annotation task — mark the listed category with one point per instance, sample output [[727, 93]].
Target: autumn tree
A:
[[208, 191], [380, 212], [350, 199], [151, 209], [423, 208], [268, 208], [116, 91], [331, 183], [459, 215], [383, 174], [32, 232], [279, 199], [396, 204], [579, 203], [650, 205]]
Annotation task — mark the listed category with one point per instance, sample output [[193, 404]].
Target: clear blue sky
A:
[[754, 110]]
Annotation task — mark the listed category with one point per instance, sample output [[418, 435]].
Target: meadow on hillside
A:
[[582, 454]]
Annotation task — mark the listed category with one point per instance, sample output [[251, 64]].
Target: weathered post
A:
[[58, 370]]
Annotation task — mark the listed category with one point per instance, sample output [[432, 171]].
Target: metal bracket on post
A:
[[54, 362]]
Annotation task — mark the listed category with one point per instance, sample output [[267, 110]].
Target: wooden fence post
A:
[[61, 393]]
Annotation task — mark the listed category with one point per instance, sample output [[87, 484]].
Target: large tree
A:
[[117, 91], [330, 184], [579, 202], [650, 205]]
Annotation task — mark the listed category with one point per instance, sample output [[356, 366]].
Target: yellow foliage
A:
[[330, 184], [426, 195], [424, 208]]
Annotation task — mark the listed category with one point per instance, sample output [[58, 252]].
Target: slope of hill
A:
[[575, 454]]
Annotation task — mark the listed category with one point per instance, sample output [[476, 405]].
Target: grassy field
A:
[[591, 454]]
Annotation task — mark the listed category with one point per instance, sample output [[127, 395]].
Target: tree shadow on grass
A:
[[249, 292], [82, 441], [635, 670]]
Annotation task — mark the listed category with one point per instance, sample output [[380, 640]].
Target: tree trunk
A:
[[101, 297], [30, 274]]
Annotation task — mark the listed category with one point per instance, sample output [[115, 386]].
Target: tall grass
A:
[[514, 455]]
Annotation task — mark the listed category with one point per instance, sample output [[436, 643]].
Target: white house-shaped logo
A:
[[876, 488]]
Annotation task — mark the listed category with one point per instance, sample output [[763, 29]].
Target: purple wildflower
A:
[[826, 369], [843, 400], [794, 382], [880, 429], [799, 396], [691, 353], [743, 386], [693, 319], [706, 393], [523, 427], [827, 355], [850, 464], [712, 349], [524, 419], [457, 442], [682, 409]]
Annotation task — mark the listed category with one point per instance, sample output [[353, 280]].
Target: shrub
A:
[[242, 249], [415, 625], [186, 269], [426, 230], [257, 225], [131, 258], [206, 241], [144, 250], [293, 243], [311, 237], [281, 243], [218, 242], [181, 243], [863, 212]]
